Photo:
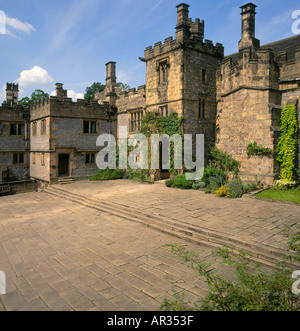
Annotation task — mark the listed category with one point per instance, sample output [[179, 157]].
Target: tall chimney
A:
[[60, 92], [183, 24], [111, 83], [248, 27]]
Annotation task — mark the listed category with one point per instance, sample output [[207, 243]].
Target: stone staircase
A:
[[263, 254], [65, 180]]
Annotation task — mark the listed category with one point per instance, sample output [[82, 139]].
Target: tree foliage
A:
[[90, 91], [36, 96]]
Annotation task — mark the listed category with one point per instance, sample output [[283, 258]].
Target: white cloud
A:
[[72, 94], [35, 76], [18, 25]]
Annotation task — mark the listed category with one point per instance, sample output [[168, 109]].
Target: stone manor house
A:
[[233, 100]]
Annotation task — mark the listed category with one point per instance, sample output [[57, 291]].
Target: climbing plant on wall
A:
[[154, 123], [286, 149]]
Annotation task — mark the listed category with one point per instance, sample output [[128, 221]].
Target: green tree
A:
[[90, 91], [123, 85], [36, 96]]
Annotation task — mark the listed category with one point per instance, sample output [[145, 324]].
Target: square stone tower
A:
[[181, 76]]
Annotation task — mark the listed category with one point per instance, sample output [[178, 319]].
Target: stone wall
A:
[[248, 93]]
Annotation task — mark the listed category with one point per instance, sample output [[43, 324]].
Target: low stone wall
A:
[[21, 186]]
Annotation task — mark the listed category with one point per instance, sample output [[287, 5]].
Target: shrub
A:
[[286, 148], [181, 182], [199, 185], [212, 172], [236, 188], [254, 149], [281, 185], [169, 183], [108, 174], [224, 161], [249, 187], [253, 289], [223, 191], [141, 175]]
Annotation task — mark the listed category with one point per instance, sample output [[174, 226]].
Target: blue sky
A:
[[47, 42]]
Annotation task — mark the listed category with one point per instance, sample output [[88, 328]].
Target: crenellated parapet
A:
[[248, 70], [195, 43], [55, 107], [132, 99]]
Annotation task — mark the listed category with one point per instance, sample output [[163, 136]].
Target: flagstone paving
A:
[[60, 255]]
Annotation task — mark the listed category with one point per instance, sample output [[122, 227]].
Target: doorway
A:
[[164, 174], [64, 165]]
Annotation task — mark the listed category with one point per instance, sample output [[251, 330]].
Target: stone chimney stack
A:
[[111, 83], [111, 78], [60, 92], [12, 94], [183, 24], [248, 27]]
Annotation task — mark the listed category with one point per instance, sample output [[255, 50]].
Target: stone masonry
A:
[[232, 100]]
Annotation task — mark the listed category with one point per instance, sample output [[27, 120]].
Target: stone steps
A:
[[191, 233], [64, 181]]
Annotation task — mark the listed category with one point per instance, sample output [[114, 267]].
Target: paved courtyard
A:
[[58, 254]]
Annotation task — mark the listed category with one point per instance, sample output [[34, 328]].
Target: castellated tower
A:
[[249, 102], [12, 94], [181, 76]]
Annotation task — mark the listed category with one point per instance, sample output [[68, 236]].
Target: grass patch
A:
[[287, 195]]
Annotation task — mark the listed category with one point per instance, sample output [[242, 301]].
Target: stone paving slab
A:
[[59, 255]]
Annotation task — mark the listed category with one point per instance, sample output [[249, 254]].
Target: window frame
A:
[[89, 127], [16, 158]]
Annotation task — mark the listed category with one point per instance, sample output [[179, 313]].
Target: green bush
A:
[[213, 183], [141, 175], [249, 187], [199, 185], [108, 174], [253, 289], [236, 188], [181, 182], [169, 183], [224, 161], [286, 148], [212, 172], [254, 149]]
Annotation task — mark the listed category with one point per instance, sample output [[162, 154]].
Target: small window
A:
[[15, 158], [18, 158], [13, 129], [202, 110], [136, 121], [43, 127], [203, 75], [90, 127], [86, 127], [17, 129], [93, 127], [90, 158], [33, 158], [42, 159], [164, 111], [34, 130], [163, 72]]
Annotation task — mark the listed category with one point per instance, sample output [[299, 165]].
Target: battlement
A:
[[248, 70], [189, 34], [195, 43], [140, 91]]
